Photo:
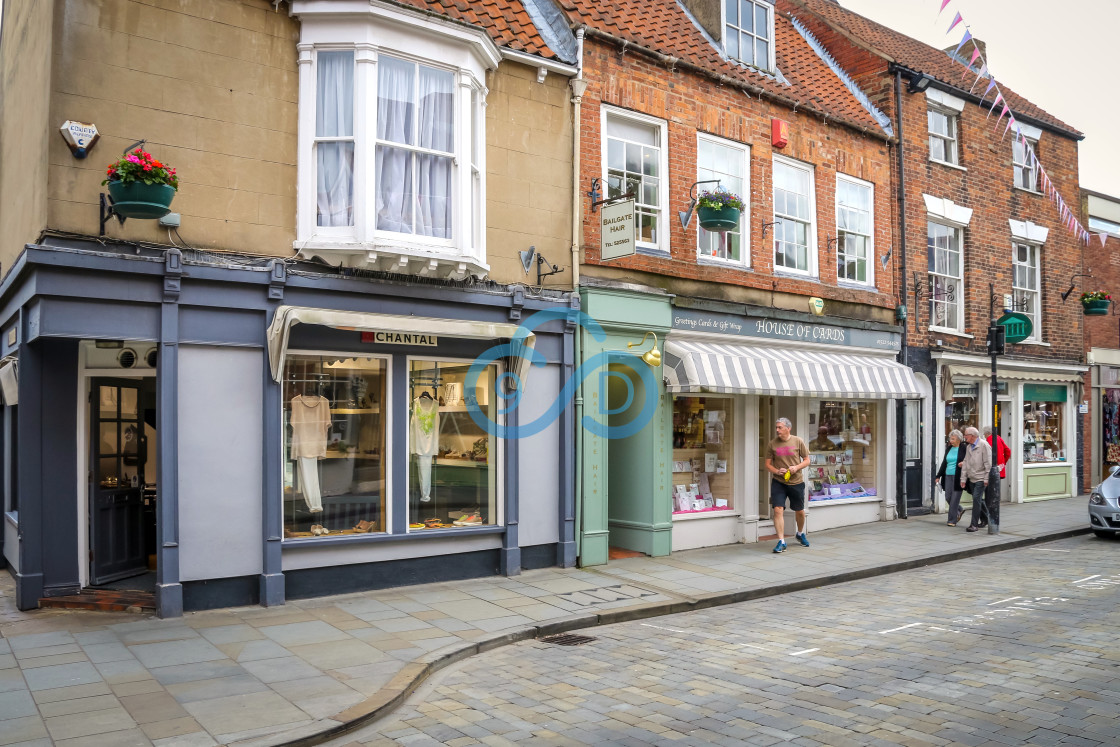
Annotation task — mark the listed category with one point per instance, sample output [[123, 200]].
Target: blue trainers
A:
[[802, 539], [780, 547]]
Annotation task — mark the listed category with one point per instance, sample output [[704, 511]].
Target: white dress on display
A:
[[311, 420], [423, 435]]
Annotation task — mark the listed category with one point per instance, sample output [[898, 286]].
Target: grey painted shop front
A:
[[153, 424]]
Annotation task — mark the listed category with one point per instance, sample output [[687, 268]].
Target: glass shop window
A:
[[453, 466], [963, 410], [703, 454], [334, 446], [842, 451], [1043, 421]]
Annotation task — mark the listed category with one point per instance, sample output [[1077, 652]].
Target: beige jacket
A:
[[977, 461]]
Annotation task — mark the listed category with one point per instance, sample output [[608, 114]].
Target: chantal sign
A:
[[400, 338], [617, 230]]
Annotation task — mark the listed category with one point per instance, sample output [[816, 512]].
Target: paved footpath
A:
[[314, 669]]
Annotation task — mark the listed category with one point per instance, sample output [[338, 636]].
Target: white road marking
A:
[[1004, 600], [806, 651], [904, 627], [1087, 578], [671, 630], [751, 645]]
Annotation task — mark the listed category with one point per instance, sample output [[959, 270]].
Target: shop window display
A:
[[703, 454], [963, 410], [453, 468], [334, 446], [1042, 428], [1110, 423], [842, 453]]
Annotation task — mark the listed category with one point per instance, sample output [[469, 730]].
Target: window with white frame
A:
[[854, 205], [1026, 168], [634, 162], [1025, 284], [730, 163], [794, 217], [946, 279], [942, 135], [1105, 226], [392, 142], [748, 32]]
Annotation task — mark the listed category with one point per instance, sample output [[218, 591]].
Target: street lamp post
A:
[[997, 341]]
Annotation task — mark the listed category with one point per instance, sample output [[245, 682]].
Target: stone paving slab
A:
[[315, 668]]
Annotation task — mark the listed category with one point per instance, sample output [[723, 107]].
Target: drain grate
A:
[[567, 639]]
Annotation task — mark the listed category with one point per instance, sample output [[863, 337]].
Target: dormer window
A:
[[748, 32]]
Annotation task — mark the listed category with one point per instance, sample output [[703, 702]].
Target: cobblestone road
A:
[[1018, 647]]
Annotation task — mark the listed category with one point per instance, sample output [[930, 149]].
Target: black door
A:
[[912, 446], [116, 490]]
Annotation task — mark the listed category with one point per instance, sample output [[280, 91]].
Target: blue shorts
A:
[[779, 491]]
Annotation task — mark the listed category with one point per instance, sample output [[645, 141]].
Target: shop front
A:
[[1036, 415], [258, 431], [731, 375], [1104, 404]]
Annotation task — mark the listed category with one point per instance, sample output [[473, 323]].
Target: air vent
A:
[[567, 639], [126, 358], [150, 357]]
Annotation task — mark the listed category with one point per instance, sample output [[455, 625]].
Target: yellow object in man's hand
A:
[[786, 476]]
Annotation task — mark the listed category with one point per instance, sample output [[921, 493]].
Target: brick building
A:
[[1101, 449], [357, 182], [979, 236], [756, 323]]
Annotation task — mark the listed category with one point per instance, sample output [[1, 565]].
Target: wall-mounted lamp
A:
[[1073, 285], [918, 82], [652, 357], [686, 216]]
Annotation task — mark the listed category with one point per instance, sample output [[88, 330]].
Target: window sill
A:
[[1028, 191], [948, 165], [1039, 343], [953, 332], [786, 273], [715, 513], [385, 256], [650, 251], [842, 501], [730, 264], [856, 285], [1054, 463], [372, 539]]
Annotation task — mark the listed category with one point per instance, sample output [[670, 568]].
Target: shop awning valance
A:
[[741, 369], [521, 341], [1011, 374]]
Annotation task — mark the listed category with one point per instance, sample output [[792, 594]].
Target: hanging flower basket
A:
[[1095, 303], [719, 211], [141, 186]]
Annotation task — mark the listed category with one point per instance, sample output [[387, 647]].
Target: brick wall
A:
[[691, 104]]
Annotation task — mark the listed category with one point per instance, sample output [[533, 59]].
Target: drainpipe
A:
[[579, 87], [900, 407]]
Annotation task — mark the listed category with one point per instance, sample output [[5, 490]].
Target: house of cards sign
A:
[[617, 230]]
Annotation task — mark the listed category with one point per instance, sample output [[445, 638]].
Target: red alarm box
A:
[[779, 133]]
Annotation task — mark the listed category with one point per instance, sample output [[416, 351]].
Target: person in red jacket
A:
[[1001, 453]]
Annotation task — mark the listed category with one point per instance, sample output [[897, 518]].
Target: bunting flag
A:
[[1103, 237], [1069, 218]]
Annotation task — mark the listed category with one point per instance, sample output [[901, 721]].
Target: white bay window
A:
[[391, 141]]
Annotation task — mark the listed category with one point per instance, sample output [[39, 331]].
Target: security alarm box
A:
[[779, 133]]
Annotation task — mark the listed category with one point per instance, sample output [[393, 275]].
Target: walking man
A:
[[786, 456], [977, 470]]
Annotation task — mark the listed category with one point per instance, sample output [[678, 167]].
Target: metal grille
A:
[[567, 639]]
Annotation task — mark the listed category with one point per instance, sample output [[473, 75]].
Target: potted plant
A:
[[1095, 303], [141, 186], [719, 210]]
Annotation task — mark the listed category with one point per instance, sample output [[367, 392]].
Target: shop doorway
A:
[[769, 410], [122, 487], [913, 448], [630, 476], [1003, 427]]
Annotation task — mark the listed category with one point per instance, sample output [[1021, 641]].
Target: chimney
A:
[[966, 50]]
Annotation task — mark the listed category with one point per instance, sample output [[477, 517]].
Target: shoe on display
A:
[[780, 547], [468, 520], [802, 538], [315, 529]]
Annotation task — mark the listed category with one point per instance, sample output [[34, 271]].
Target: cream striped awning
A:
[[717, 367]]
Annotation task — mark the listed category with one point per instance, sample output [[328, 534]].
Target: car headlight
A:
[[1096, 499]]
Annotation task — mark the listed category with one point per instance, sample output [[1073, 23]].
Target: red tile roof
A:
[[506, 21], [664, 27], [911, 53]]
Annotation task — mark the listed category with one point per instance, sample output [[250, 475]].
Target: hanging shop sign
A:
[[1018, 327], [400, 338], [617, 230], [779, 329]]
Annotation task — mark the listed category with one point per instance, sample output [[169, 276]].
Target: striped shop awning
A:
[[741, 369]]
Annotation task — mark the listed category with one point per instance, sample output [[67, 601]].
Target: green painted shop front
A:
[[619, 476]]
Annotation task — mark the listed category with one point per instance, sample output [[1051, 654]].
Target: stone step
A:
[[105, 600]]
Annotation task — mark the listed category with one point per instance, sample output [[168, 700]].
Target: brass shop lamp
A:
[[652, 357]]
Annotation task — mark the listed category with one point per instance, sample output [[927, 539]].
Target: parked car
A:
[[1104, 506]]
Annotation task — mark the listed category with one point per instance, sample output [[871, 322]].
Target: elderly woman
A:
[[949, 475]]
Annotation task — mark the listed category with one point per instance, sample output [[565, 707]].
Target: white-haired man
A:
[[786, 456], [976, 471]]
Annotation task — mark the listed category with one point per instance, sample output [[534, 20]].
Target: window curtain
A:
[[394, 188], [334, 117], [437, 117]]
